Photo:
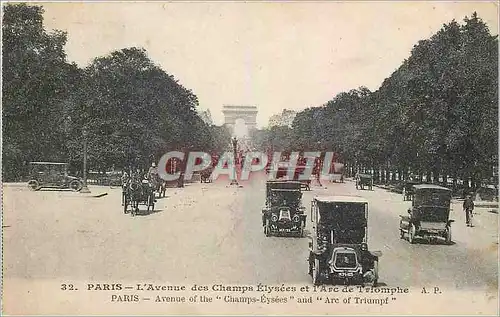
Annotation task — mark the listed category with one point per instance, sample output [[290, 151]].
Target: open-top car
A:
[[283, 212], [429, 215], [363, 180], [52, 175], [338, 250], [409, 190]]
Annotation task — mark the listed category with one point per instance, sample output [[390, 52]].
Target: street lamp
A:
[[234, 141], [85, 189]]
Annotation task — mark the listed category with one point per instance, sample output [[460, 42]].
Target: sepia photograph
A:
[[250, 158]]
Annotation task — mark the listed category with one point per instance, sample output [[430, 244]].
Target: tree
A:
[[36, 83]]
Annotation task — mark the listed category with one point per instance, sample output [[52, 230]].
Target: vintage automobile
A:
[[409, 190], [363, 180], [429, 214], [283, 213], [52, 175], [338, 250]]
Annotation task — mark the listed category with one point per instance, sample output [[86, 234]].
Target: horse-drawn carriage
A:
[[159, 185], [137, 192]]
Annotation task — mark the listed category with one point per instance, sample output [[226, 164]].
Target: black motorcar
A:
[[429, 215], [283, 213]]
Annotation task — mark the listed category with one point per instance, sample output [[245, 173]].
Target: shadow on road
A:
[[148, 212]]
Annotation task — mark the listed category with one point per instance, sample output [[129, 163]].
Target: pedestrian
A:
[[468, 208]]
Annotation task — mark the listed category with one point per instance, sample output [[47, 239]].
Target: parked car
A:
[[52, 175], [429, 216], [338, 250]]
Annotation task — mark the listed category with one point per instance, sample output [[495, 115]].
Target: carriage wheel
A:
[[151, 201], [125, 206], [448, 235]]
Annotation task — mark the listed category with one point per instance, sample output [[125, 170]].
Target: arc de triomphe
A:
[[233, 113]]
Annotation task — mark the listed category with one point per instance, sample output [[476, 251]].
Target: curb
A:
[[96, 195], [491, 205]]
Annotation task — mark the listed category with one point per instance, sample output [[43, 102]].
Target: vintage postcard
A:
[[250, 158]]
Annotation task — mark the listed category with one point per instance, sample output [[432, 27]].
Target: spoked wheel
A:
[[76, 185], [375, 271], [411, 234], [151, 201], [267, 229], [316, 273], [448, 235], [34, 185], [301, 232], [125, 206]]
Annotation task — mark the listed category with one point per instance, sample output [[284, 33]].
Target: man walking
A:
[[468, 208]]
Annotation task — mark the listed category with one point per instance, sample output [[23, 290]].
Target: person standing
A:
[[468, 208]]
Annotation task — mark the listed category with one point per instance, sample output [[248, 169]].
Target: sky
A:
[[273, 55]]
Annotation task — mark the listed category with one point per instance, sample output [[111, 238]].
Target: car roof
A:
[[430, 186], [49, 163], [285, 190], [341, 199]]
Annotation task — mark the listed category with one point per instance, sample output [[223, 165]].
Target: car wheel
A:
[[301, 232], [76, 185], [311, 264], [375, 271], [34, 185], [316, 273], [448, 235], [411, 234]]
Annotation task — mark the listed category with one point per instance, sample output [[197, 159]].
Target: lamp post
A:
[[320, 163], [85, 189], [234, 142]]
